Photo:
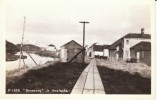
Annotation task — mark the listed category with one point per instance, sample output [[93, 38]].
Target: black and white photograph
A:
[[79, 47]]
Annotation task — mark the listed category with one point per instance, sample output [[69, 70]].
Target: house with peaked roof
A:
[[120, 49], [69, 50], [89, 52], [142, 52], [98, 51]]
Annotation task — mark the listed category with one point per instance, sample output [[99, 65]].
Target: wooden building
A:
[[69, 50], [142, 52]]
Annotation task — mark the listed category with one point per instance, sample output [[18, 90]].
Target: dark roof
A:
[[98, 47], [130, 35], [92, 45], [52, 45], [106, 46], [142, 46], [70, 42], [137, 35], [113, 45]]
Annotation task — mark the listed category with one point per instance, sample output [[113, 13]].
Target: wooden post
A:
[[21, 54], [32, 58], [83, 53]]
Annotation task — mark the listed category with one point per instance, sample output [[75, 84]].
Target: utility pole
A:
[[83, 53], [21, 54]]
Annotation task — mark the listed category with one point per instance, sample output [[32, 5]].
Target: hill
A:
[[11, 48], [29, 47]]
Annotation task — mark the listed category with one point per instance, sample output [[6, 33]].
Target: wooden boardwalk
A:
[[89, 81]]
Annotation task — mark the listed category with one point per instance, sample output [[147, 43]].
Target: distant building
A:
[[90, 51], [142, 52], [98, 51], [106, 50], [121, 48], [51, 47], [69, 50]]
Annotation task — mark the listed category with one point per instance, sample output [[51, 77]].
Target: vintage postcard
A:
[[104, 48]]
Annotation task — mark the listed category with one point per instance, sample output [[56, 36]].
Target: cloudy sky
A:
[[57, 21]]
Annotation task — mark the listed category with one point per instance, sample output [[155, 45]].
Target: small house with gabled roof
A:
[[69, 50]]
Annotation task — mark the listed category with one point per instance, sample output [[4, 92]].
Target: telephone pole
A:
[[21, 53], [84, 22]]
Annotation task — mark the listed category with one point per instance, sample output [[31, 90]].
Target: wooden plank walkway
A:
[[89, 81]]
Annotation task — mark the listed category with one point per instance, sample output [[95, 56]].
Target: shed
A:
[[142, 52], [69, 50]]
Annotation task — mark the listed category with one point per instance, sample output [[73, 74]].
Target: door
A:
[[138, 55]]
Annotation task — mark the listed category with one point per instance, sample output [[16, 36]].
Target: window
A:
[[142, 54], [127, 41], [90, 54]]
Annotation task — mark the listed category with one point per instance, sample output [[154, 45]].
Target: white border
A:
[[69, 96]]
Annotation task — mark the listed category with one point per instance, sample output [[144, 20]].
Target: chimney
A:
[[142, 31]]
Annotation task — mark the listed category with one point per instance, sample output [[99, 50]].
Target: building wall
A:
[[133, 54], [120, 50], [72, 52], [147, 57], [63, 54], [98, 53], [106, 52], [69, 51], [90, 53], [112, 55], [127, 46]]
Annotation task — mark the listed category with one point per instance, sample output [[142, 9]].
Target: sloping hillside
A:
[[29, 47], [11, 48]]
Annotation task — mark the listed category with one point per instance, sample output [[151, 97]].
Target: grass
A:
[[121, 82], [132, 68], [13, 75], [59, 78]]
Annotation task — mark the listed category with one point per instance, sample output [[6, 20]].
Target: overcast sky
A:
[[57, 21]]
